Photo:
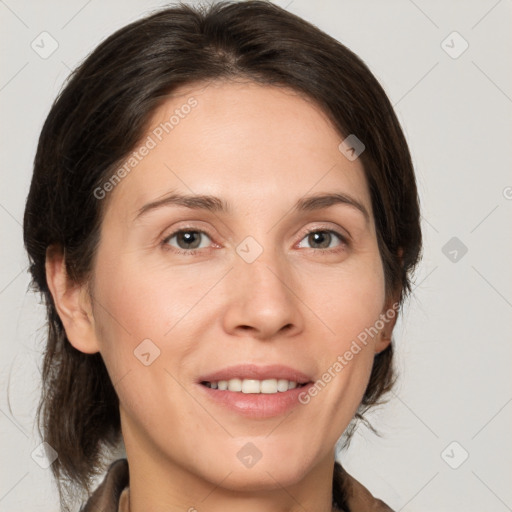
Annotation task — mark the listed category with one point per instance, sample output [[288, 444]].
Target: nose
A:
[[264, 301]]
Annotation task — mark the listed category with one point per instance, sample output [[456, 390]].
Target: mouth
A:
[[253, 386], [255, 391]]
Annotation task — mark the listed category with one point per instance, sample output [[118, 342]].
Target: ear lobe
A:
[[389, 315], [72, 303], [383, 341]]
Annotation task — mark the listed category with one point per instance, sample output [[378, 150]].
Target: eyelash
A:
[[191, 252]]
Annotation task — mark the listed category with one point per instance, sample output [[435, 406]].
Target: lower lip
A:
[[257, 405]]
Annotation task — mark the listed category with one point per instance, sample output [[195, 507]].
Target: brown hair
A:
[[101, 114]]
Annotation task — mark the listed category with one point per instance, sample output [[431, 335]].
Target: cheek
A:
[[138, 323], [139, 302], [348, 299], [149, 315], [349, 303]]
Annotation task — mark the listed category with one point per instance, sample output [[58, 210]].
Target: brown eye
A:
[[186, 239], [324, 239]]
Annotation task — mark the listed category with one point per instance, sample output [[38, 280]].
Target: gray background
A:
[[454, 343]]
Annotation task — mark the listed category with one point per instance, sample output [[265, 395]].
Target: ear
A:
[[72, 302], [388, 316]]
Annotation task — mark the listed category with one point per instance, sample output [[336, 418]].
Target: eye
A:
[[187, 240], [324, 238]]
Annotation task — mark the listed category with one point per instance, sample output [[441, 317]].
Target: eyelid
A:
[[186, 225], [345, 238]]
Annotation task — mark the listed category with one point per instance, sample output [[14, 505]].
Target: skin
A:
[[260, 148]]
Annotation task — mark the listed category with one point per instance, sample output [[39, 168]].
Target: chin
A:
[[261, 479], [268, 469]]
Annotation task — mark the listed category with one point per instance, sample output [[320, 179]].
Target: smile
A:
[[267, 386]]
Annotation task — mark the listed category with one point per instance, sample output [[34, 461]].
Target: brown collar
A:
[[113, 493]]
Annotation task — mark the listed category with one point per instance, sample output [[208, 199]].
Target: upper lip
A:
[[252, 371]]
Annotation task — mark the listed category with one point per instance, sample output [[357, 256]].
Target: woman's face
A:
[[244, 284]]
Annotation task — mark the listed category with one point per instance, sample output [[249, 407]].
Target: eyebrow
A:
[[216, 204]]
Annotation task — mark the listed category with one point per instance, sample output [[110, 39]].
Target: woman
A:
[[223, 220]]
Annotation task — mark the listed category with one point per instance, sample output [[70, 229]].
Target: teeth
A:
[[267, 386]]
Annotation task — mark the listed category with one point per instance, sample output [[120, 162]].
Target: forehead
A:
[[242, 141]]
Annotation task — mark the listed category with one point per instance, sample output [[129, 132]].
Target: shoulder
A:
[[106, 496], [359, 498]]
